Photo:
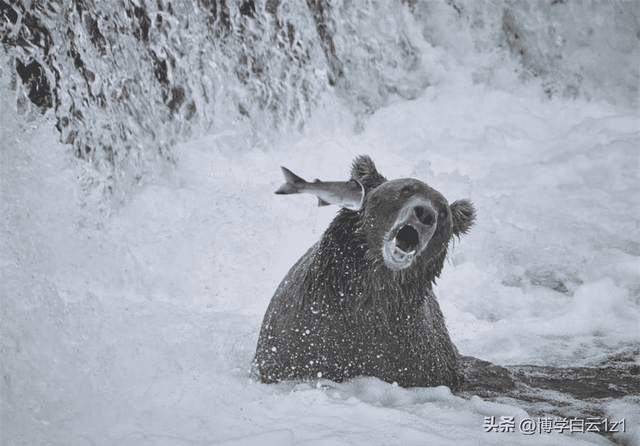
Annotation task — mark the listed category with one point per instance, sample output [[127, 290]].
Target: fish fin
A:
[[321, 202], [290, 176], [293, 183]]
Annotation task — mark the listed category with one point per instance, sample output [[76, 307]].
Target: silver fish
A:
[[346, 194]]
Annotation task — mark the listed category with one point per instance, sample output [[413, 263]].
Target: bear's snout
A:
[[410, 234]]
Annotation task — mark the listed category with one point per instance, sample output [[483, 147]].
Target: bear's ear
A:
[[463, 215], [364, 171]]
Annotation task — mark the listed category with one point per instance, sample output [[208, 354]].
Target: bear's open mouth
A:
[[407, 239], [400, 251], [409, 236]]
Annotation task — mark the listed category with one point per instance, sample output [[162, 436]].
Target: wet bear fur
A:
[[343, 312]]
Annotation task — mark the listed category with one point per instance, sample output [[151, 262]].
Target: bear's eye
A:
[[406, 191]]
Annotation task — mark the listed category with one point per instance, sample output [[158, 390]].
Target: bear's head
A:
[[405, 222]]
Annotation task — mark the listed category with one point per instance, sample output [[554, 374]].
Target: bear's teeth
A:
[[400, 251], [403, 254]]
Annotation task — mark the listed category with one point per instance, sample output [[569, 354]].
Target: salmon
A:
[[346, 194]]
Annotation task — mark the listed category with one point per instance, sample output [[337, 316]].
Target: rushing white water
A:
[[135, 322]]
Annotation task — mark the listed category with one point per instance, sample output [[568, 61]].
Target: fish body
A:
[[346, 194]]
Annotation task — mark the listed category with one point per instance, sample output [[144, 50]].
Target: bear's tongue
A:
[[407, 239]]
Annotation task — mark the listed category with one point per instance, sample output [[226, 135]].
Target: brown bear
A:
[[360, 301]]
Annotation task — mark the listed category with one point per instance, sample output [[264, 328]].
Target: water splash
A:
[[572, 49], [127, 80]]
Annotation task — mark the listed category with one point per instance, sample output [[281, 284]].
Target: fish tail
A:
[[292, 185]]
